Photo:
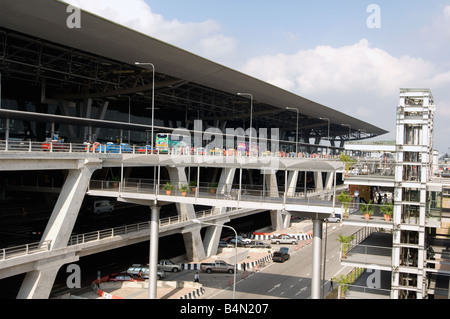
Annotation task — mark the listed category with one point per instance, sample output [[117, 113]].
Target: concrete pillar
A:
[[212, 237], [286, 219], [226, 180], [153, 260], [193, 243], [318, 183], [38, 283], [276, 220], [317, 259], [271, 184], [292, 183], [178, 176]]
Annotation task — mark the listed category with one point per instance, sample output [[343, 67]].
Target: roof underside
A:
[[46, 19]]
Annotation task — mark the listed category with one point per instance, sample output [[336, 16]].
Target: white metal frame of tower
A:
[[414, 143]]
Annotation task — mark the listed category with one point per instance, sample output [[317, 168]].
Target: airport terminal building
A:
[[81, 107]]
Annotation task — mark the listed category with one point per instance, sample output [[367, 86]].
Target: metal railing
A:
[[347, 291], [110, 148], [23, 250], [247, 193], [26, 249]]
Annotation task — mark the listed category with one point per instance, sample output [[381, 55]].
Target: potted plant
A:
[[115, 180], [212, 187], [345, 199], [387, 210], [348, 162], [184, 189], [168, 187], [343, 285], [345, 241], [367, 209], [193, 186]]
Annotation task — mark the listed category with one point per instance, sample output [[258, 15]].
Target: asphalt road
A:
[[288, 280]]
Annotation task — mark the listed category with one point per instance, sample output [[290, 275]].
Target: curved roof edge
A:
[[46, 19]]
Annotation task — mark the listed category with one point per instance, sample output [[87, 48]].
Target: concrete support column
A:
[[292, 183], [178, 176], [226, 180], [193, 243], [317, 259], [153, 260], [212, 237], [318, 183], [286, 219], [271, 183], [276, 220], [38, 283]]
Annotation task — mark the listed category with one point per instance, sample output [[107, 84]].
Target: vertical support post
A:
[[153, 260], [317, 259]]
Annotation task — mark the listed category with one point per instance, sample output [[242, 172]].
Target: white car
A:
[[103, 206], [143, 271]]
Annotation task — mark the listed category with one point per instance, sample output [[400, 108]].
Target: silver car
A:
[[143, 271]]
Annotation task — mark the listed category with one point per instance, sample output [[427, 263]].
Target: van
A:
[[103, 206]]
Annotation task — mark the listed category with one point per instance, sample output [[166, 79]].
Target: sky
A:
[[350, 55]]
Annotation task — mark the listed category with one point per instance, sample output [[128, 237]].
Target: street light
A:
[[296, 136], [251, 118], [196, 221], [328, 138], [153, 98]]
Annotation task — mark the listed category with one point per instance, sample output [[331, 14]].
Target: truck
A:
[[167, 265], [217, 266], [284, 239]]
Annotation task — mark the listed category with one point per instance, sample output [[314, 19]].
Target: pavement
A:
[[209, 283]]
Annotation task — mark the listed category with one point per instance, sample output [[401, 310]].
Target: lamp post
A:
[[153, 98], [296, 136], [328, 135], [251, 118], [196, 221]]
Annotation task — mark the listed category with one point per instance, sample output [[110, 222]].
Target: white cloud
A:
[[203, 38], [345, 70], [357, 79]]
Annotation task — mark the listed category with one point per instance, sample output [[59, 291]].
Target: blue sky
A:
[[322, 50]]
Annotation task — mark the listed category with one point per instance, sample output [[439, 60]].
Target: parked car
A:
[[282, 255], [224, 244], [167, 265], [218, 266], [143, 271], [284, 239], [258, 244], [123, 277], [240, 239], [240, 243], [335, 219]]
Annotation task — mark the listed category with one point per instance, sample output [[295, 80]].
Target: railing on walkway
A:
[[22, 250], [31, 248], [110, 148], [249, 193], [353, 251], [362, 292]]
